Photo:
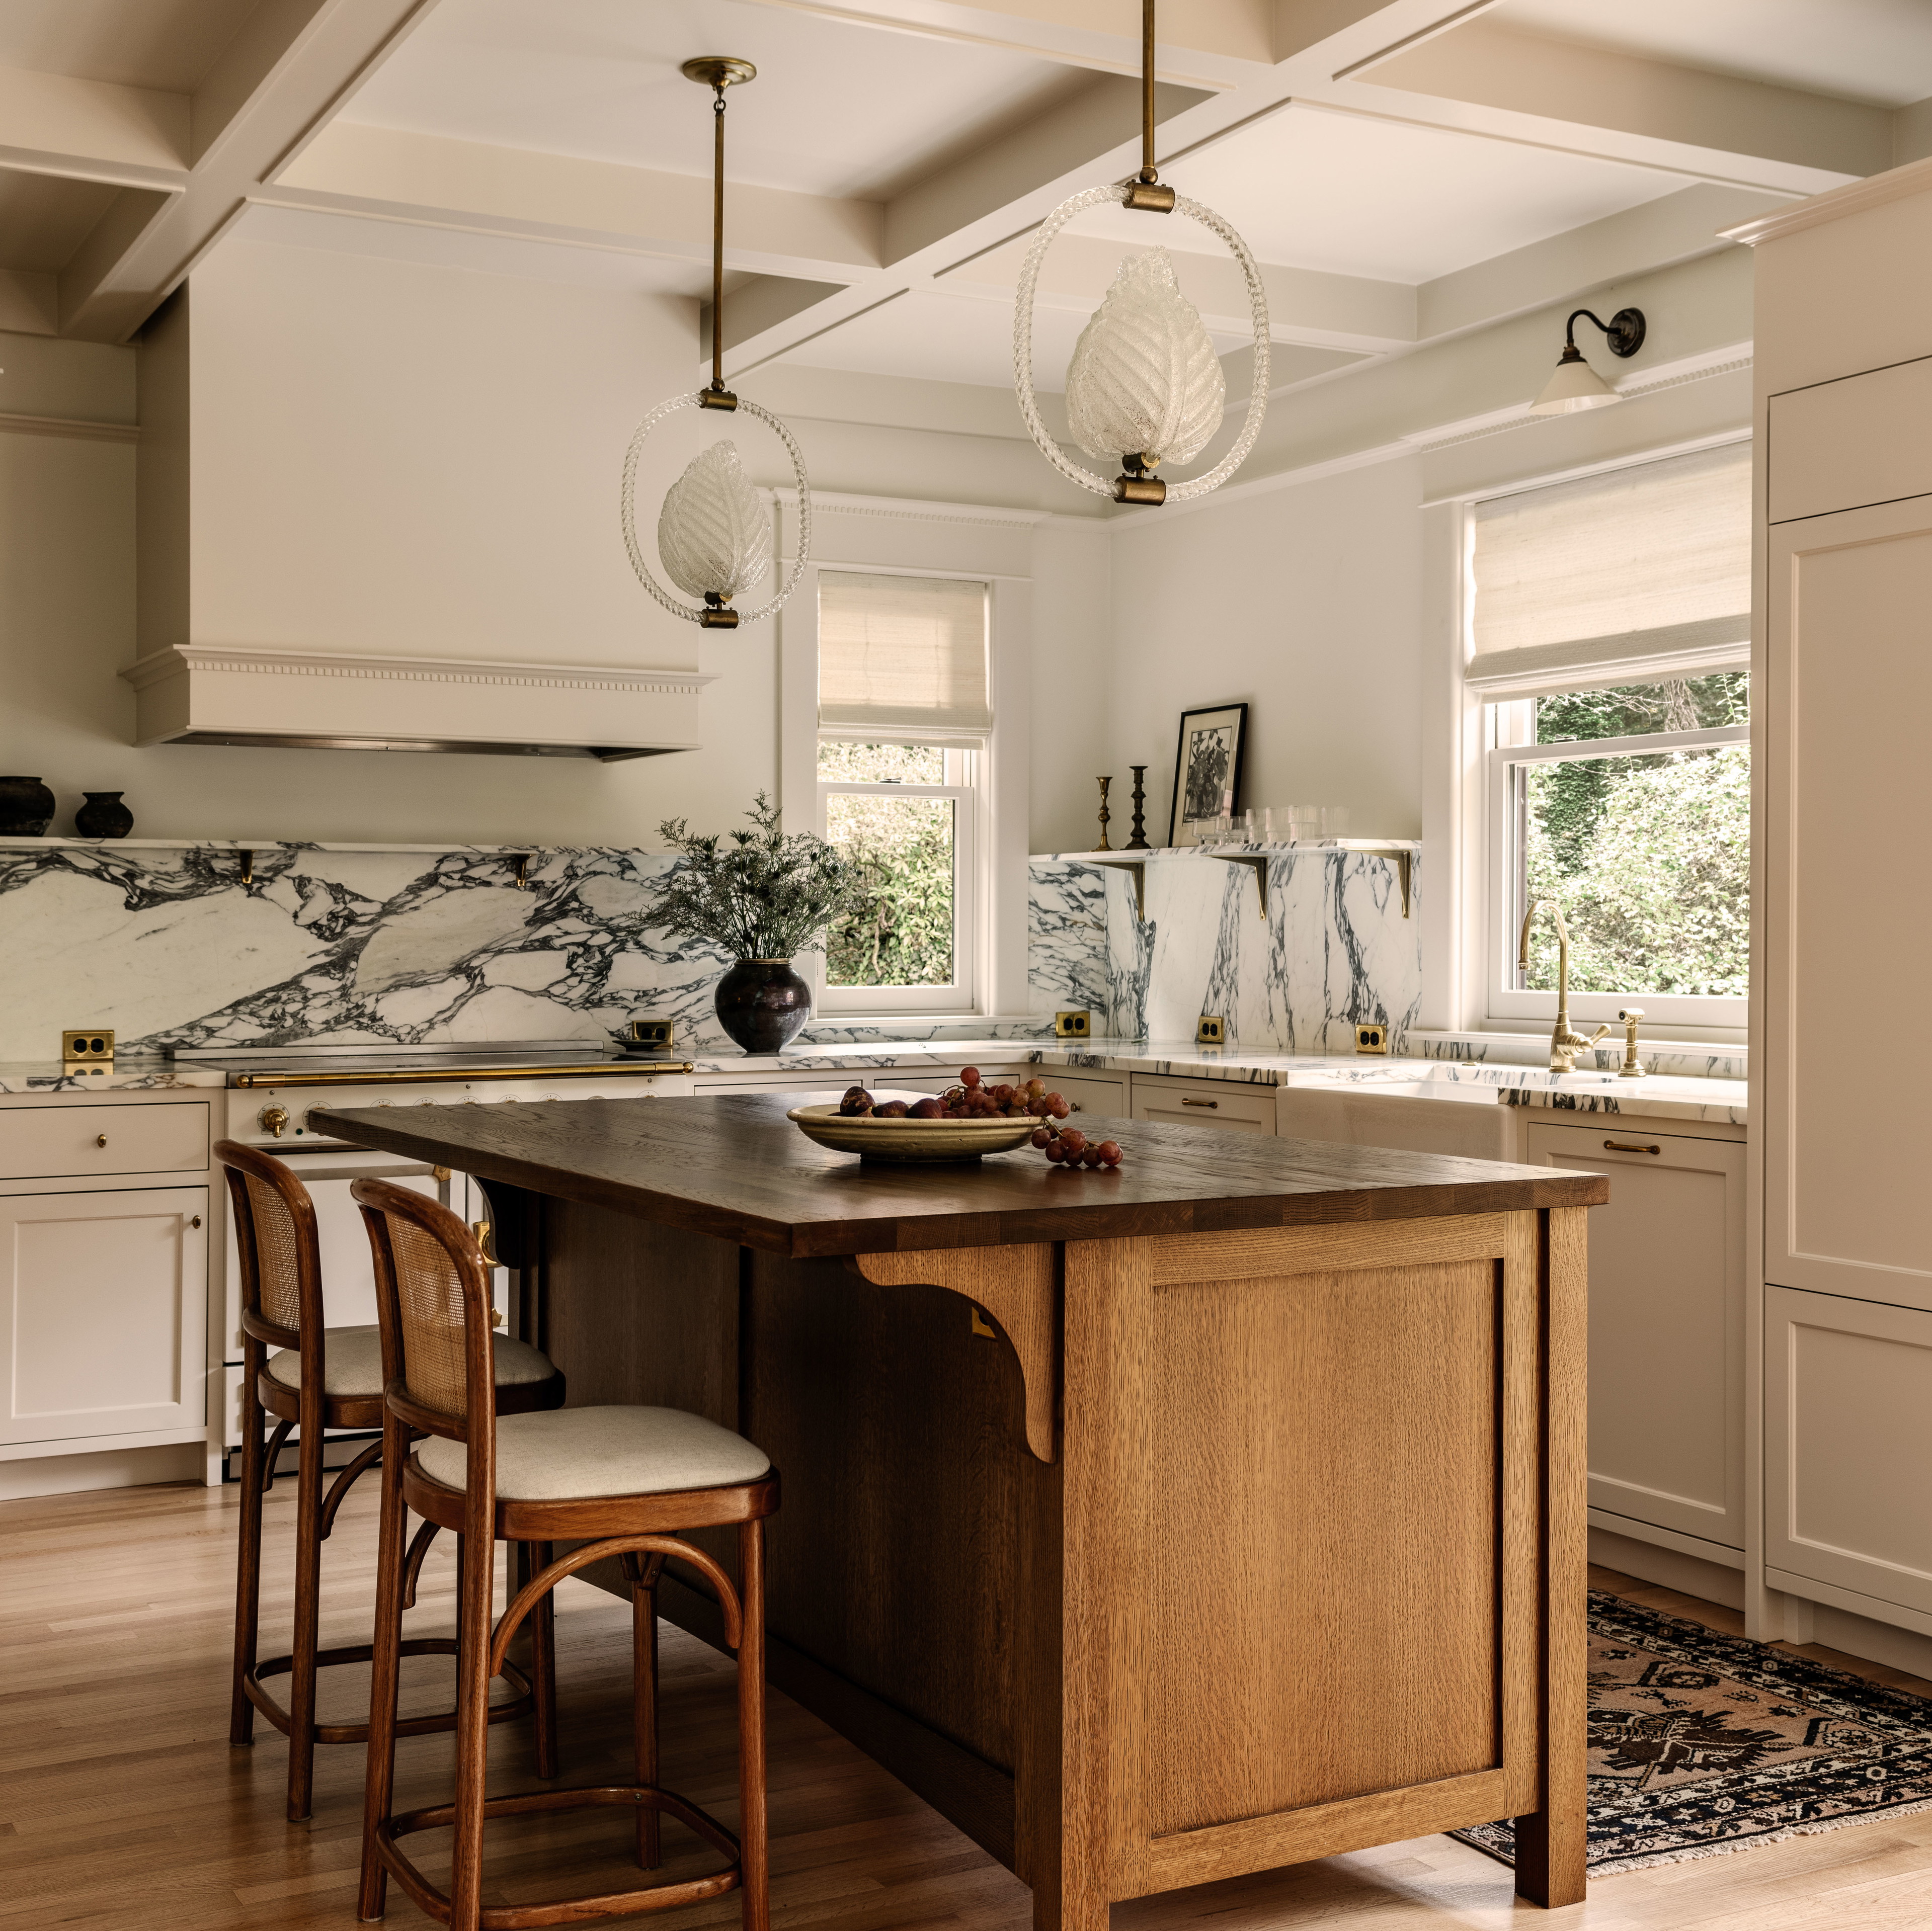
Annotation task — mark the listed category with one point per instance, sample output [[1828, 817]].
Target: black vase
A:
[[103, 816], [762, 1003], [26, 807]]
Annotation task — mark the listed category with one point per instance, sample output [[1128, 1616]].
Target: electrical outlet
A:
[[1372, 1039], [652, 1032], [1210, 1031], [1073, 1025], [90, 1051]]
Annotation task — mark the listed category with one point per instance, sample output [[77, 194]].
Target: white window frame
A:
[[965, 766], [1511, 730]]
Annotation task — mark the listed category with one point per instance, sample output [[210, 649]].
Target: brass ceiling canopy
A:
[[718, 70]]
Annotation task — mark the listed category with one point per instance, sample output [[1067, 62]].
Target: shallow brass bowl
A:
[[909, 1140]]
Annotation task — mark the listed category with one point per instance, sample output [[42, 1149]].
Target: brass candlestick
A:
[[1138, 843], [1104, 815]]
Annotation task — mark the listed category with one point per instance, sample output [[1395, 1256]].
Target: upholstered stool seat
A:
[[351, 1363], [572, 1454], [622, 1484], [321, 1378]]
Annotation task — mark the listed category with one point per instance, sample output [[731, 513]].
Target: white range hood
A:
[[205, 693]]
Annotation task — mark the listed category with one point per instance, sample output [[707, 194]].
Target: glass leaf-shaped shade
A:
[[1144, 380], [713, 534]]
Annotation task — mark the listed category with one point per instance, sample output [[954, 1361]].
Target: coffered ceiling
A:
[[1403, 169]]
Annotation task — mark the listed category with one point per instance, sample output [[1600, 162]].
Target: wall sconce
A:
[[1575, 385]]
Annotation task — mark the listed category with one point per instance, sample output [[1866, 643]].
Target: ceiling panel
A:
[[44, 218], [1353, 194], [169, 44], [1872, 50], [836, 109]]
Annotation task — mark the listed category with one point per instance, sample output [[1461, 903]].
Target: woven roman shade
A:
[[898, 655], [1638, 572]]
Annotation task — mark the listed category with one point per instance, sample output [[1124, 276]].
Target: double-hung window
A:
[[905, 722], [1611, 648]]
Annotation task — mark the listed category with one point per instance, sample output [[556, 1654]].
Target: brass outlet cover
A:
[[1372, 1039], [1211, 1030], [1073, 1025], [91, 1049], [652, 1032]]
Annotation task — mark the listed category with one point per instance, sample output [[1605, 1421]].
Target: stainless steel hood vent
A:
[[257, 696]]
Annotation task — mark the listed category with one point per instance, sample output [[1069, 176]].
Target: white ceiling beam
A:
[[293, 65], [93, 129], [1656, 234], [1911, 133], [434, 181], [29, 303], [1700, 121]]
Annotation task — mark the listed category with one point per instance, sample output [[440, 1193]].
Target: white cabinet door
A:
[[1666, 1326], [1233, 1105], [1848, 933], [1847, 1448], [103, 1330], [1103, 1095]]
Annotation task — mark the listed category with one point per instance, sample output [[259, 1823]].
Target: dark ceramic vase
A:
[[103, 816], [762, 1003], [26, 807]]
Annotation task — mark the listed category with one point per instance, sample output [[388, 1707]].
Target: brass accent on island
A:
[[1261, 1539]]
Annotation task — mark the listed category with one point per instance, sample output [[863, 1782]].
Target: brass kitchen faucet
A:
[[1564, 1045]]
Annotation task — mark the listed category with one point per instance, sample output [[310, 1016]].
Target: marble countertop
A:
[[1721, 1101]]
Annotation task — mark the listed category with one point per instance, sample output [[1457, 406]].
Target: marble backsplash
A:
[[1337, 946], [172, 946]]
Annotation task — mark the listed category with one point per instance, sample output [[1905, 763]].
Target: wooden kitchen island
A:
[[1155, 1526]]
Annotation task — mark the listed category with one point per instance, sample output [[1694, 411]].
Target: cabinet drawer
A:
[[1103, 1096], [1847, 1439], [1843, 445], [1204, 1102], [46, 1143]]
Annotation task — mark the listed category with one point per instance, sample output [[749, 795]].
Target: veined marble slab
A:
[[1334, 949], [46, 1076]]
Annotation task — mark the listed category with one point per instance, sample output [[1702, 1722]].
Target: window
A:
[[1610, 627], [904, 721]]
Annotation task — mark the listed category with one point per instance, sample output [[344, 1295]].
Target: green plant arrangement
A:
[[761, 897]]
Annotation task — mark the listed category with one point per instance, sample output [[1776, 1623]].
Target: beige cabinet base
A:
[[103, 1314]]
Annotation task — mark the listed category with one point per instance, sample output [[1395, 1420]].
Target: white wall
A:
[[1306, 602]]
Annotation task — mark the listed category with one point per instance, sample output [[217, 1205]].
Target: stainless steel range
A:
[[271, 1089]]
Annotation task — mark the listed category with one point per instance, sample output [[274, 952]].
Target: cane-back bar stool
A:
[[617, 1482], [324, 1379]]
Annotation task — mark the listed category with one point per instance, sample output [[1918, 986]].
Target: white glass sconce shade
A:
[[1144, 380], [713, 534], [1574, 386]]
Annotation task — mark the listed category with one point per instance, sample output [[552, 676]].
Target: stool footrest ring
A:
[[258, 1694], [608, 1904]]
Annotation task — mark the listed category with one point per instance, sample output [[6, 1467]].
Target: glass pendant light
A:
[[1145, 386], [714, 538]]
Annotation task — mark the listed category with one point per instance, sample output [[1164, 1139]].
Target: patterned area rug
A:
[[1702, 1743]]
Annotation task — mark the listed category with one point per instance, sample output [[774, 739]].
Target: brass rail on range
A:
[[428, 1075]]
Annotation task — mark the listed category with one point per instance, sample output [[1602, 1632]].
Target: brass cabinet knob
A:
[[100, 1139], [196, 1221], [273, 1118]]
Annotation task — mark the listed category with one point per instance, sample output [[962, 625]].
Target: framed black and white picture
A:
[[1207, 768]]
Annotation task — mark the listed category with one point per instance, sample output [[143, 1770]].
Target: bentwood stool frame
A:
[[280, 1267], [644, 1530]]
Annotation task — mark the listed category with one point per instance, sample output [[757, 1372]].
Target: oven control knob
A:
[[274, 1119]]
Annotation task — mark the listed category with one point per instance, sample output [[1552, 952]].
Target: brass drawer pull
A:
[[100, 1139], [1628, 1146], [195, 1221], [1200, 1102]]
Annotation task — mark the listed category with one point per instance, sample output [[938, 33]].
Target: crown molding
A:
[[1898, 183], [256, 660]]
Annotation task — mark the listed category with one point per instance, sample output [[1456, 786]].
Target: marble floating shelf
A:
[[1256, 858]]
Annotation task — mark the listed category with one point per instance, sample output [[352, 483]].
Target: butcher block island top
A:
[[736, 1167], [1159, 1526]]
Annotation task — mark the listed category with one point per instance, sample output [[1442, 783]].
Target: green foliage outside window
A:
[[1649, 856], [898, 930]]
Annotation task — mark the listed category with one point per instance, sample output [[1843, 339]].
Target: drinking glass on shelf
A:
[[1304, 823], [1334, 821]]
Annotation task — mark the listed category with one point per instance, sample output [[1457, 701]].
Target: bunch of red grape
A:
[[972, 1099]]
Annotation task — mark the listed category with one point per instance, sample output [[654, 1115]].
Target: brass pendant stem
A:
[[718, 241], [1147, 173]]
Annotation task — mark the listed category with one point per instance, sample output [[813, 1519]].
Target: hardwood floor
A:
[[122, 1806]]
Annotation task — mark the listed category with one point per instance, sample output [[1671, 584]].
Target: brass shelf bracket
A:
[[1257, 863], [1138, 867], [1404, 863]]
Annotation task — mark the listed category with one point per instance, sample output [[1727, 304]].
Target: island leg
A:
[[1551, 1843]]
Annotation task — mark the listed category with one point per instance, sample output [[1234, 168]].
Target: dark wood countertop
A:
[[736, 1167]]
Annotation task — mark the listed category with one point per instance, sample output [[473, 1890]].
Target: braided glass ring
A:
[[676, 605], [1076, 472]]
